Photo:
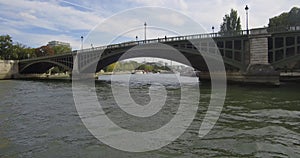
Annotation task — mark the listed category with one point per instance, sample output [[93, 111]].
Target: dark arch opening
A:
[[42, 67], [196, 61]]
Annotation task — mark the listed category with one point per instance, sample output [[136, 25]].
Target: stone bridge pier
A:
[[257, 69]]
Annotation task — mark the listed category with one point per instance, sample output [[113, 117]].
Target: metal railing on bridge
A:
[[255, 31], [283, 29], [192, 37], [168, 39]]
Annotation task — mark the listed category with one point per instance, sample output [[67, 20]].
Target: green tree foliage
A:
[[231, 22], [146, 67], [291, 18], [11, 51], [280, 20], [17, 51], [6, 45], [110, 68], [29, 53], [152, 67], [57, 69], [133, 65], [61, 49], [20, 51], [122, 66]]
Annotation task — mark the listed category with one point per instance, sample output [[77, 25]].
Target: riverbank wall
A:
[[9, 69], [237, 77]]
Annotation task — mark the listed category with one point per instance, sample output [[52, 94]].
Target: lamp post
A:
[[247, 28], [136, 38], [213, 29], [145, 24], [81, 42]]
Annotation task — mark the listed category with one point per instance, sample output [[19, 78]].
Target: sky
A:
[[36, 22]]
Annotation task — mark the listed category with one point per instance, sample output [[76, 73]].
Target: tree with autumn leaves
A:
[[48, 50], [44, 51], [10, 50]]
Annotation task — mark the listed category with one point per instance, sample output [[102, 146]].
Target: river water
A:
[[39, 119]]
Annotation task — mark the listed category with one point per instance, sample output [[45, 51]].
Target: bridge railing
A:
[[201, 36], [169, 39], [283, 29], [188, 37]]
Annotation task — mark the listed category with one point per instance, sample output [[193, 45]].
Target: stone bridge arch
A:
[[89, 60], [42, 67], [43, 64]]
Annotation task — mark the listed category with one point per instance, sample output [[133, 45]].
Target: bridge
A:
[[256, 55]]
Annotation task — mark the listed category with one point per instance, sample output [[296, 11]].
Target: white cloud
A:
[[37, 40], [173, 19], [183, 5], [161, 22], [28, 15], [49, 15], [149, 2], [19, 17]]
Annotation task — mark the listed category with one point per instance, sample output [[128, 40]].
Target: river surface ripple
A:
[[39, 119]]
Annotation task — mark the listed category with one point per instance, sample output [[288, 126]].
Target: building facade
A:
[[58, 43]]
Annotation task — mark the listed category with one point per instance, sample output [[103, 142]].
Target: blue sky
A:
[[35, 23]]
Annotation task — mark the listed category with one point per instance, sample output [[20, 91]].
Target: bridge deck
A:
[[180, 38], [233, 46]]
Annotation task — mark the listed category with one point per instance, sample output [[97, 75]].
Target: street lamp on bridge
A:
[[81, 42], [145, 24], [213, 29], [247, 8]]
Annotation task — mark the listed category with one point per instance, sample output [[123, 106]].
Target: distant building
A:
[[58, 43]]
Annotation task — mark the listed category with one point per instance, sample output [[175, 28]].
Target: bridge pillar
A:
[[258, 69], [76, 74]]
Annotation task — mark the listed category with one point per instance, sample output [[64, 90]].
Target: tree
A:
[[281, 20], [231, 22], [61, 49], [294, 17], [11, 51], [29, 53], [44, 51], [6, 45], [20, 51], [16, 52], [111, 67], [291, 18], [146, 67]]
